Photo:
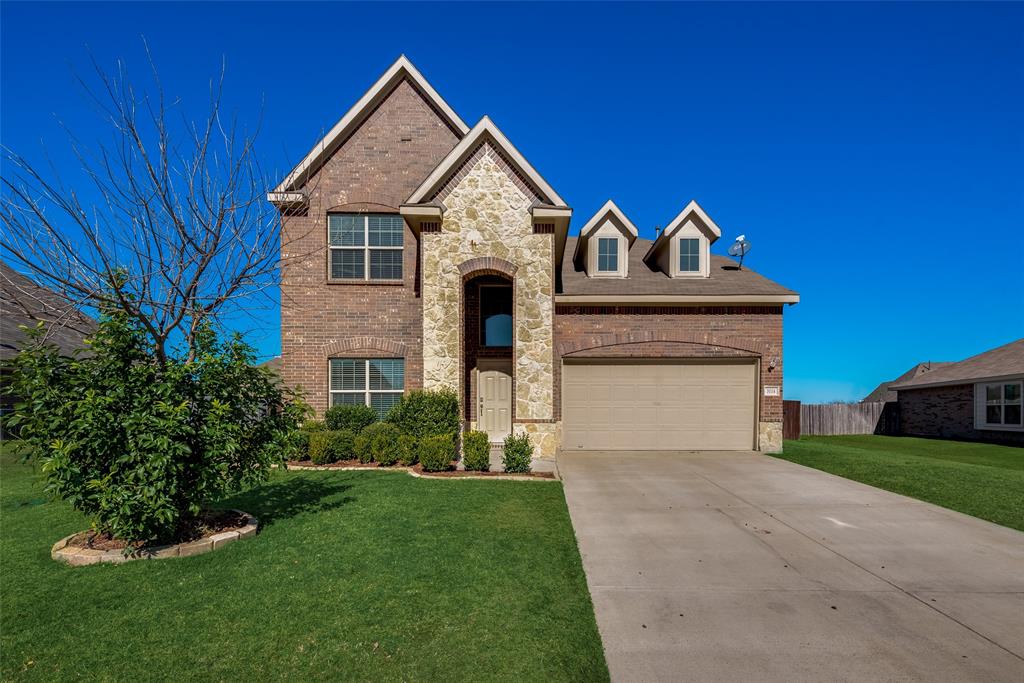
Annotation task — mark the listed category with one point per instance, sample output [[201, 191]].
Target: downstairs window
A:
[[376, 382]]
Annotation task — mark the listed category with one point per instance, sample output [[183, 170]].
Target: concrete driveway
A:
[[742, 567]]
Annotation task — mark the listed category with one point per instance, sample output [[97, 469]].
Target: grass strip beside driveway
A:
[[983, 480], [354, 576]]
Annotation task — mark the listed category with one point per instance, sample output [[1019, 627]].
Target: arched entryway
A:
[[488, 343]]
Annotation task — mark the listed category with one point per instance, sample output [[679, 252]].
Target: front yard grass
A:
[[354, 576], [983, 480]]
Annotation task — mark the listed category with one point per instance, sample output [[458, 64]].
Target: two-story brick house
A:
[[418, 252]]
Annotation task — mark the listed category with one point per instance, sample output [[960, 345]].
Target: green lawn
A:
[[983, 480], [354, 576]]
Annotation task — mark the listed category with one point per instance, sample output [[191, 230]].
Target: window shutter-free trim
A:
[[365, 246], [376, 382]]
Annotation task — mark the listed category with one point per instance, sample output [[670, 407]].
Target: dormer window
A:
[[689, 255], [608, 255]]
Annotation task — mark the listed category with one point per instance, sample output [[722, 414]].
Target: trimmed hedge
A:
[[426, 413], [331, 446], [408, 450], [361, 448], [384, 444], [517, 454], [353, 417], [437, 452], [313, 426], [476, 451]]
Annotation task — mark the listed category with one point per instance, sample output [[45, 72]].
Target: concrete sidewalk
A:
[[743, 567]]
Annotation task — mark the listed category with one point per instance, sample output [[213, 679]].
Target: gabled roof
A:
[[691, 209], [884, 393], [1000, 362], [609, 208], [400, 70], [484, 131]]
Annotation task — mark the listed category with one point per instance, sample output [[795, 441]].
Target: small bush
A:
[[313, 426], [354, 417], [408, 450], [437, 452], [361, 448], [384, 444], [518, 451], [426, 413], [476, 451], [331, 446], [298, 445]]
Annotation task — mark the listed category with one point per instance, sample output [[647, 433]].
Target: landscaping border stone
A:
[[78, 557], [496, 476]]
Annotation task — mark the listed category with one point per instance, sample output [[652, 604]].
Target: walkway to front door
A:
[[743, 567]]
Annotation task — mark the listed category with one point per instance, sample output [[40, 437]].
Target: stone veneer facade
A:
[[487, 215]]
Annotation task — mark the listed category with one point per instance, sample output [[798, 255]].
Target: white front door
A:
[[494, 414]]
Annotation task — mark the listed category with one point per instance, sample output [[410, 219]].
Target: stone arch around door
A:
[[480, 274]]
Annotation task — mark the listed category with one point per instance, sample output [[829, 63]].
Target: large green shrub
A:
[[476, 451], [140, 442], [331, 446], [437, 452], [408, 449], [314, 426], [426, 413], [518, 452], [353, 417]]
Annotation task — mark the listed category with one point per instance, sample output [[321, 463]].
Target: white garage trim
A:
[[660, 404]]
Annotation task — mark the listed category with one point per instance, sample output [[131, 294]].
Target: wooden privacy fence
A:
[[848, 418]]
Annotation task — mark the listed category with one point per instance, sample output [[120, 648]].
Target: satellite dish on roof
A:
[[741, 247]]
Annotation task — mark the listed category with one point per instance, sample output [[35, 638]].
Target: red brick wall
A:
[[376, 169], [673, 332], [948, 413]]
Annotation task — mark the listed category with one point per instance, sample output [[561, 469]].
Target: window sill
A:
[[386, 283], [999, 428]]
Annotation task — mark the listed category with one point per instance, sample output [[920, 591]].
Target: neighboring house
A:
[[421, 253], [24, 303], [977, 399], [883, 392]]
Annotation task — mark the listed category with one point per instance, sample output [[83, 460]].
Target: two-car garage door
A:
[[631, 405]]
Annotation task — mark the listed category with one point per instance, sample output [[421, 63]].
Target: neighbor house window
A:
[[689, 255], [607, 255], [1002, 406], [376, 382], [495, 315], [365, 246]]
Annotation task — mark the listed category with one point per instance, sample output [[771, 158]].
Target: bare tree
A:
[[177, 230]]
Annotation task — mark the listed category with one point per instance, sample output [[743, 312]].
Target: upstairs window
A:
[[689, 255], [1003, 404], [607, 255], [376, 382], [365, 246]]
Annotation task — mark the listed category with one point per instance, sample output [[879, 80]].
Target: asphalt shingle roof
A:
[[884, 393], [23, 302], [998, 362], [725, 278]]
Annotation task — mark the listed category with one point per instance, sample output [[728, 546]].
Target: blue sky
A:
[[872, 153]]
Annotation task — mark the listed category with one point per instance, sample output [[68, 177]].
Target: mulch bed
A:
[[418, 469], [208, 523]]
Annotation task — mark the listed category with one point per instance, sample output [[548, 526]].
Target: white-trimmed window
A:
[[376, 382], [608, 254], [1000, 405], [365, 246], [689, 255]]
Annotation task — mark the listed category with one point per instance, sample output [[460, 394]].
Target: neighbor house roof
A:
[[1004, 361], [725, 283], [23, 302], [884, 393], [401, 70]]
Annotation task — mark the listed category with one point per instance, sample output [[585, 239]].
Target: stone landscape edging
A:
[[79, 557], [419, 475]]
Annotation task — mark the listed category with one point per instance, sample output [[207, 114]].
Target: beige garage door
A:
[[632, 406]]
